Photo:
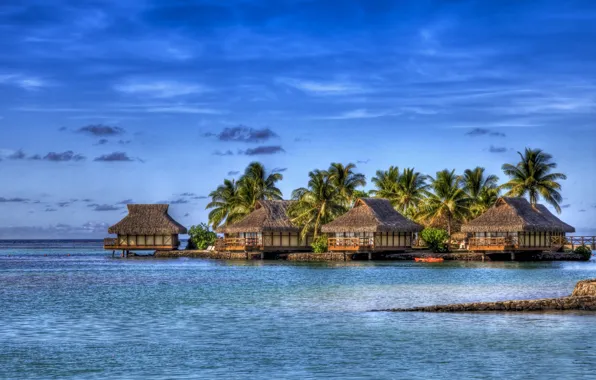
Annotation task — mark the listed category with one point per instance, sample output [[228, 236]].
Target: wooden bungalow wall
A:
[[148, 240], [277, 239]]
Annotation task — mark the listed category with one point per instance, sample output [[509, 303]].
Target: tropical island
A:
[[406, 215]]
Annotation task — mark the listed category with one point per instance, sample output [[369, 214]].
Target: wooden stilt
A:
[[370, 255], [113, 253], [512, 256], [262, 255], [483, 256]]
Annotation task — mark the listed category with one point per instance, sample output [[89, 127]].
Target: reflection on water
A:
[[87, 315]]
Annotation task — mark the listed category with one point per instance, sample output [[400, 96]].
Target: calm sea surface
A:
[[67, 309]]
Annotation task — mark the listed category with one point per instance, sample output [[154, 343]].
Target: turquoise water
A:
[[89, 316]]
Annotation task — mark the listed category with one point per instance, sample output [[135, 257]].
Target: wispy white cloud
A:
[[184, 109], [506, 123], [23, 81], [120, 109], [359, 114], [323, 88], [159, 89]]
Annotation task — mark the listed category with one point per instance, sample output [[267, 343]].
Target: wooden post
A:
[[482, 256], [344, 256], [262, 255], [370, 255], [113, 253], [512, 256]]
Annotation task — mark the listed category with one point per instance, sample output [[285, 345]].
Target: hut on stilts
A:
[[146, 227], [515, 225], [267, 229], [372, 225]]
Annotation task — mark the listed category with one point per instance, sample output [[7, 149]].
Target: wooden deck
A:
[[511, 243], [254, 245], [359, 244], [112, 244]]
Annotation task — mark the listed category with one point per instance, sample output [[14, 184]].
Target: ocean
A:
[[69, 310]]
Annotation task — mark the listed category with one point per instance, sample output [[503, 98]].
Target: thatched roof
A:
[[549, 215], [268, 216], [371, 215], [516, 214], [147, 220]]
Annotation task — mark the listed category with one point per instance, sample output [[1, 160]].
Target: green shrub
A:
[[200, 237], [584, 251], [319, 245], [435, 238]]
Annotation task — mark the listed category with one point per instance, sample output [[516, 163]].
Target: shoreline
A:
[[338, 256], [583, 298]]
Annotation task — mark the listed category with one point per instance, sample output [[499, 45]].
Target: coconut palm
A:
[[481, 189], [223, 202], [360, 194], [446, 201], [346, 180], [257, 184], [405, 191], [485, 200], [319, 203], [474, 180], [412, 190], [234, 200], [386, 184], [532, 176]]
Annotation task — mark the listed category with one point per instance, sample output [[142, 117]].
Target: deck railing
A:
[[351, 242], [506, 241], [115, 243], [110, 242], [574, 241], [237, 243]]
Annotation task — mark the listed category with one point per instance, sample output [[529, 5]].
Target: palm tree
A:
[[412, 190], [405, 191], [474, 181], [256, 184], [386, 184], [360, 194], [532, 176], [319, 203], [481, 189], [485, 200], [223, 202], [447, 199], [234, 200], [346, 180]]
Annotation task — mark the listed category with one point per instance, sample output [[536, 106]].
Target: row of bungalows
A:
[[372, 225], [513, 224]]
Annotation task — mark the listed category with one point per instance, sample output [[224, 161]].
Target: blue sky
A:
[[104, 102]]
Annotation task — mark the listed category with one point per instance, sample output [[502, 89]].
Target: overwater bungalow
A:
[[267, 229], [372, 225], [513, 224], [146, 227]]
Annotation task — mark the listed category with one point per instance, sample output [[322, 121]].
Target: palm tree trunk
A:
[[449, 232]]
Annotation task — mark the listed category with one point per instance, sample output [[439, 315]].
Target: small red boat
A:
[[429, 259]]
